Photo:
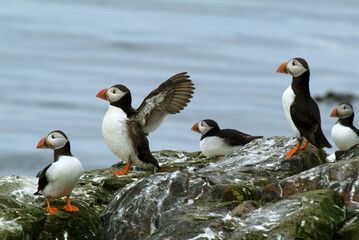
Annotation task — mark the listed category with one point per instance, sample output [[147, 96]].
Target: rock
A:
[[193, 197], [339, 176], [197, 202], [351, 153], [265, 157], [333, 97], [311, 215], [23, 215], [350, 231]]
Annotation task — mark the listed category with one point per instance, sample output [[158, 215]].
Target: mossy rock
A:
[[239, 192], [311, 215], [23, 215], [350, 231]]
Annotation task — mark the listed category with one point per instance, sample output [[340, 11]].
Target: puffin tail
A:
[[321, 140]]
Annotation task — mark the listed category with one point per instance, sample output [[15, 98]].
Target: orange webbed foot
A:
[[51, 210], [71, 208], [221, 156], [304, 145], [124, 171], [293, 150]]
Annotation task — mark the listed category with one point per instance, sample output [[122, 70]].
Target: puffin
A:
[[125, 129], [344, 133], [219, 142], [58, 179], [300, 109]]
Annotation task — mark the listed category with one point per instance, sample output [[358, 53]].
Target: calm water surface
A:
[[56, 55]]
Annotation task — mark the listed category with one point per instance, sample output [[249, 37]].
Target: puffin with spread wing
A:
[[125, 128]]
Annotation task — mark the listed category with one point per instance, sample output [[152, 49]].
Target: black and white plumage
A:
[[125, 128], [219, 142], [300, 109], [344, 133], [60, 177]]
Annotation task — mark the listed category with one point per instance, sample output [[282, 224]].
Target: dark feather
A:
[[140, 143], [170, 97], [42, 180]]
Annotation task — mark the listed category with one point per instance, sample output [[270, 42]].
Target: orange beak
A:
[[103, 94], [43, 143], [195, 128], [335, 113], [283, 68]]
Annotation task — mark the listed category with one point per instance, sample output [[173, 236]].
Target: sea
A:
[[55, 55]]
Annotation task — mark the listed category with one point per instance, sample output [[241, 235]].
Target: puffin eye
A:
[[293, 63], [114, 91], [52, 136]]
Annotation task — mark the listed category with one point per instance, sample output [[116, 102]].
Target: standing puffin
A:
[[125, 128], [300, 109], [60, 177], [219, 142], [344, 134]]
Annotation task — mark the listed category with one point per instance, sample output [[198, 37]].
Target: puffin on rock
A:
[[60, 177], [219, 142], [125, 128], [300, 109], [344, 133]]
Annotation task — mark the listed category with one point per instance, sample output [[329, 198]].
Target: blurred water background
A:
[[56, 55]]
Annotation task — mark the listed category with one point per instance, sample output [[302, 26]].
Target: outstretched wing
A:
[[169, 98]]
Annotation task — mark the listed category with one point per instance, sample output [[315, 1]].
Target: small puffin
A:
[[125, 129], [344, 134], [300, 109], [219, 142], [60, 177]]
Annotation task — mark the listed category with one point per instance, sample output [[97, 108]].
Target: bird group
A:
[[125, 129]]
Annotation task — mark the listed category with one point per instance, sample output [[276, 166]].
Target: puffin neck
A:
[[64, 151], [300, 84], [211, 132], [125, 104], [348, 121]]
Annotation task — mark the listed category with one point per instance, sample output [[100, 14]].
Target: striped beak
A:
[[336, 113], [283, 68], [103, 94], [195, 128], [43, 143]]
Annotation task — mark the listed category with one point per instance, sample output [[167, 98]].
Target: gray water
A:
[[56, 55]]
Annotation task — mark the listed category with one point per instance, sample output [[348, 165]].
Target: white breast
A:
[[115, 134], [287, 100], [343, 136], [215, 146], [62, 177]]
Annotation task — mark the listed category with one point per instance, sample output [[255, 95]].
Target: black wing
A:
[[235, 137], [169, 98], [306, 117], [140, 143], [43, 181]]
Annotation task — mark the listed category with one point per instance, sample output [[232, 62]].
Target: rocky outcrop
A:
[[23, 215], [252, 193]]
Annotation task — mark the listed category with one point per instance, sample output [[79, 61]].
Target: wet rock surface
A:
[[23, 215], [252, 193]]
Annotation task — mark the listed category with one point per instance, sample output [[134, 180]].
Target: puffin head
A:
[[114, 93], [204, 126], [295, 67], [54, 140], [344, 110]]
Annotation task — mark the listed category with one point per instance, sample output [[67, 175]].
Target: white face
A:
[[345, 110], [295, 68], [115, 94], [56, 140], [203, 127]]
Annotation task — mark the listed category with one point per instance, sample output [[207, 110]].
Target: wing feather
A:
[[170, 97]]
